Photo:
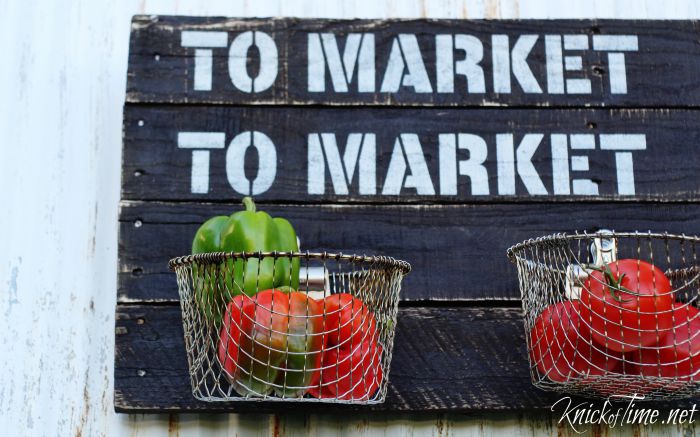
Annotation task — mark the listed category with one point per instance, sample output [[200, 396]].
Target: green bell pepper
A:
[[243, 231]]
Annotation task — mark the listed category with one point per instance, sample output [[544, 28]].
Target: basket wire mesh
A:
[[597, 335], [328, 343]]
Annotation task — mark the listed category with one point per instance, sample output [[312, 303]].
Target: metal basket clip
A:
[[603, 251], [314, 281], [604, 248]]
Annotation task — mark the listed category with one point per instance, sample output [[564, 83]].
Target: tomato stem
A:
[[614, 285]]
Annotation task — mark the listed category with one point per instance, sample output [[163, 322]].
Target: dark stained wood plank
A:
[[662, 72], [448, 357], [445, 360], [155, 168], [457, 251]]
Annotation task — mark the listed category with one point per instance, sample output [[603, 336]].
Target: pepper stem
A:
[[249, 204]]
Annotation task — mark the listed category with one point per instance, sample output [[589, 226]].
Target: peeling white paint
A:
[[62, 86], [12, 299]]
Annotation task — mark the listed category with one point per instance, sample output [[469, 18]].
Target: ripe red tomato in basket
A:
[[347, 320], [625, 303], [561, 346], [677, 355], [271, 341], [351, 364], [349, 374]]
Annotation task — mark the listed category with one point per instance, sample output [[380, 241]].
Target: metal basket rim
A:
[[512, 251], [214, 257]]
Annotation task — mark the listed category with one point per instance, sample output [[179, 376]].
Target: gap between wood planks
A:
[[444, 303], [417, 203], [482, 106]]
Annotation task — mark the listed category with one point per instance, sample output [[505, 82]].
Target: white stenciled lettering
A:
[[555, 70], [508, 162], [347, 63], [408, 154], [473, 167], [615, 45], [323, 52], [560, 165], [461, 156], [406, 67], [504, 59], [237, 59], [447, 68], [201, 142], [360, 153], [575, 63], [203, 42], [235, 163], [579, 163], [623, 145]]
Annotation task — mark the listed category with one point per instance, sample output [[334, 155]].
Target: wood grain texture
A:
[[62, 82], [456, 246], [457, 251], [161, 70], [445, 359], [154, 168]]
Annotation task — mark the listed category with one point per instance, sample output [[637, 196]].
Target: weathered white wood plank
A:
[[61, 93], [62, 87]]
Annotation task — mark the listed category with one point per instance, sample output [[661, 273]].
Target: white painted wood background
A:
[[62, 83]]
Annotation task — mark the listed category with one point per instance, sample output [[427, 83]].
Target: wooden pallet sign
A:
[[441, 142]]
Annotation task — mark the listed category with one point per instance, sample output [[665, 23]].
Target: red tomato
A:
[[351, 363], [626, 307], [348, 320], [560, 346], [677, 354], [271, 341], [349, 374], [230, 335]]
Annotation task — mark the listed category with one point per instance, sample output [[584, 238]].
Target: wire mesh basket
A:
[[612, 314], [289, 326]]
